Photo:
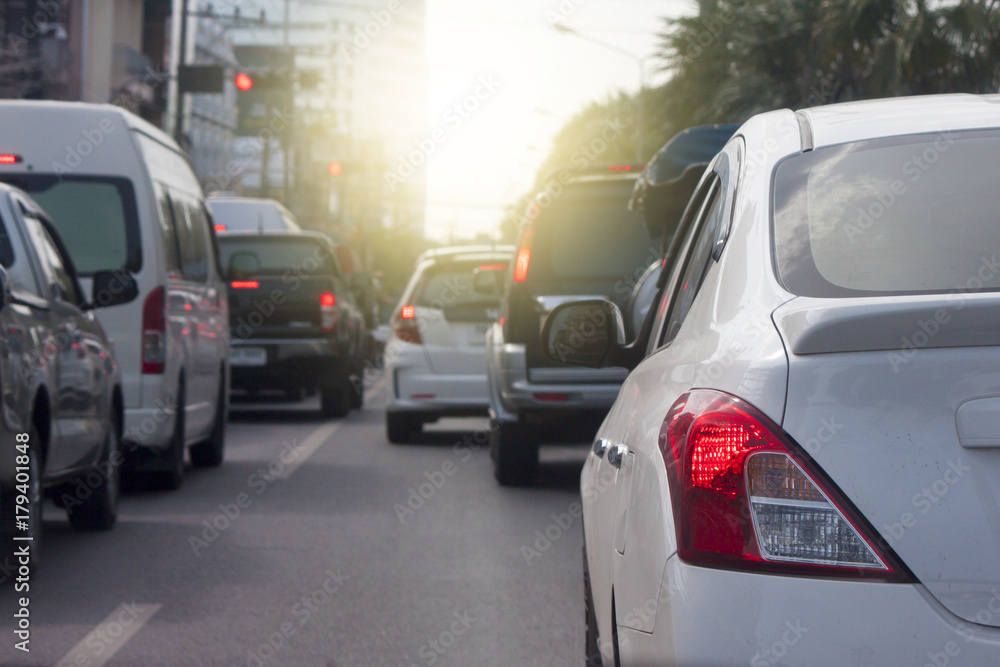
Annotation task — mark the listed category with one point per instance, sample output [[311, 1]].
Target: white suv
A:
[[124, 198], [436, 357]]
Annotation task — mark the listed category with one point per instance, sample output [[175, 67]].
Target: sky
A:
[[518, 81]]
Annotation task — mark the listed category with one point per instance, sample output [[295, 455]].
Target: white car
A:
[[250, 214], [436, 356], [803, 466]]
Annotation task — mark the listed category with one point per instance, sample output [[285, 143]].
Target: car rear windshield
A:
[[907, 215], [449, 286], [96, 218], [249, 216], [590, 235], [263, 255]]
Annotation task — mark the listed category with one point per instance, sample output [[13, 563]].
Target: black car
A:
[[60, 434], [294, 322]]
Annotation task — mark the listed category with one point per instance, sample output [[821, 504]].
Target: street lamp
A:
[[640, 61]]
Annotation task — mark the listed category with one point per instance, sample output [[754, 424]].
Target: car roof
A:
[[459, 253], [870, 119], [274, 234], [96, 112]]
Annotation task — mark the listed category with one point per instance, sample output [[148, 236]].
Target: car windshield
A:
[[263, 255], [96, 218], [905, 215]]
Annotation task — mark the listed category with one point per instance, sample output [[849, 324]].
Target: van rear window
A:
[[95, 216]]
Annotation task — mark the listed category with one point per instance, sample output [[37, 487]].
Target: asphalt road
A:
[[317, 544]]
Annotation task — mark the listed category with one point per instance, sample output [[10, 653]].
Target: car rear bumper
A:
[[290, 363], [416, 388], [719, 617]]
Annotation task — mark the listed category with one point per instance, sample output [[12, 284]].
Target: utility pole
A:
[[286, 140], [179, 94]]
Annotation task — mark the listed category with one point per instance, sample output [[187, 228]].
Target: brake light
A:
[[7, 158], [746, 497], [405, 326], [329, 314], [492, 267], [154, 329], [523, 258], [244, 284], [220, 228]]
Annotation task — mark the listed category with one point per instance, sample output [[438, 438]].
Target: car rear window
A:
[[250, 216], [448, 286], [907, 215], [95, 216], [591, 235], [262, 255]]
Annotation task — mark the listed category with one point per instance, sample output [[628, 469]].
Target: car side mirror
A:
[[488, 280], [587, 333], [113, 288]]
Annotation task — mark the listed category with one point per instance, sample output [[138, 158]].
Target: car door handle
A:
[[616, 454], [601, 446]]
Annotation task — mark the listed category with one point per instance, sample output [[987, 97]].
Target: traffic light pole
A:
[[179, 94]]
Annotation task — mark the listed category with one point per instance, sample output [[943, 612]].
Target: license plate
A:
[[248, 356]]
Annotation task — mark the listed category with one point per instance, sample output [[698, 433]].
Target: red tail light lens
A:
[[523, 259], [7, 158], [405, 326], [244, 284], [746, 497], [220, 228], [329, 313], [154, 329]]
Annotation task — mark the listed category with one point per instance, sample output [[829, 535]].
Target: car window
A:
[[15, 259], [60, 281], [168, 231], [270, 255], [696, 263], [95, 216], [192, 232]]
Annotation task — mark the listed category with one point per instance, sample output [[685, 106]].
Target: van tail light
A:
[[405, 326], [329, 313], [746, 497], [154, 330]]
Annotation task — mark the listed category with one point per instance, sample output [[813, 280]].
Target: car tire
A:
[[211, 452], [401, 428], [514, 450], [8, 515], [99, 510], [592, 650], [335, 399], [171, 474]]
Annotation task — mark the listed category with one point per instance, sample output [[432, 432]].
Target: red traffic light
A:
[[335, 168], [244, 82]]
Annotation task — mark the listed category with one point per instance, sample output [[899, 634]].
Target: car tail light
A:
[[329, 313], [745, 496], [406, 327], [551, 396], [244, 284], [523, 259], [7, 158], [154, 329], [220, 227]]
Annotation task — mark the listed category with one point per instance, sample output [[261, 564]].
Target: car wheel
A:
[[99, 509], [514, 450], [209, 454], [171, 475], [592, 651], [32, 526], [401, 428], [335, 399]]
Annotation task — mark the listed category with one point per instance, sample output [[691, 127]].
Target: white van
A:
[[123, 197]]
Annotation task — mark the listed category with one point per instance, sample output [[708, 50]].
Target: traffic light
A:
[[335, 168], [244, 82], [262, 80]]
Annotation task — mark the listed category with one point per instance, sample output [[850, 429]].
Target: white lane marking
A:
[[101, 643], [308, 447]]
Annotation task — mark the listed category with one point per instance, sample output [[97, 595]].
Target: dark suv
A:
[[582, 240], [294, 322]]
